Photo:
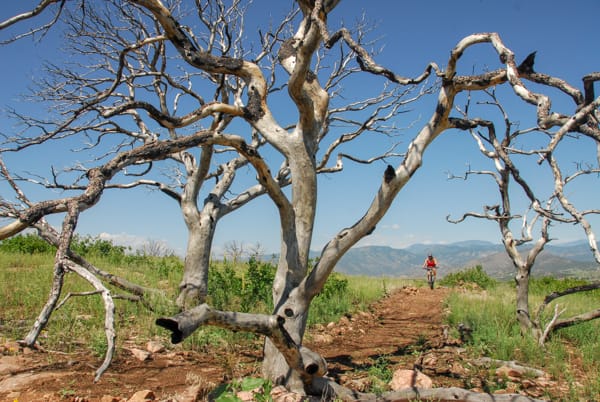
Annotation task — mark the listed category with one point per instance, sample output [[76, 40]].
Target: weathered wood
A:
[[334, 391], [298, 357]]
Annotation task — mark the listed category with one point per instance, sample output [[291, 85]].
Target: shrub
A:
[[380, 374], [258, 284], [95, 247], [475, 275], [549, 284], [26, 244], [224, 286], [336, 285], [249, 287], [86, 246], [333, 301], [168, 266]]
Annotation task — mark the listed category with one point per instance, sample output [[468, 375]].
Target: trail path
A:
[[391, 329], [408, 316]]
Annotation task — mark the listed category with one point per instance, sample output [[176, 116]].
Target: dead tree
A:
[[117, 111], [507, 152], [286, 359]]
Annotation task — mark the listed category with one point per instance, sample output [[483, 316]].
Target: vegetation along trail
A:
[[407, 317], [404, 330]]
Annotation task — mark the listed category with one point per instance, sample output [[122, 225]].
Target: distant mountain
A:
[[565, 260], [578, 251]]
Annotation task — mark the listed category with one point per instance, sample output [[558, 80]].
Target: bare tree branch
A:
[[41, 7]]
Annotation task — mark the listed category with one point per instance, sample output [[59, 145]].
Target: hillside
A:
[[566, 260]]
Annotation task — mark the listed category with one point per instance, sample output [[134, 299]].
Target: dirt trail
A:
[[409, 316], [391, 327]]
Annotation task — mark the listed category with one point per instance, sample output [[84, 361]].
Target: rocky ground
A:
[[403, 331]]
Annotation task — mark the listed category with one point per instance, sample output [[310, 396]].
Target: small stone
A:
[[245, 396], [139, 354], [507, 372], [323, 338], [142, 396], [403, 379], [155, 347]]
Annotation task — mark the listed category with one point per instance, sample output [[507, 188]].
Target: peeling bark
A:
[[301, 359], [334, 391]]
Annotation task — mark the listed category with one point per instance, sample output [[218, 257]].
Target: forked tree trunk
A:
[[201, 226], [193, 287], [274, 365], [522, 299]]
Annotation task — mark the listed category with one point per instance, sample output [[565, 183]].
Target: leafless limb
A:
[[66, 261], [578, 216], [109, 316], [60, 268], [550, 325], [43, 4], [555, 324], [74, 294], [297, 356], [50, 234], [92, 293]]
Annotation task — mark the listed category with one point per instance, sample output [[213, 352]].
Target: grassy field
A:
[[26, 280], [496, 334], [489, 309]]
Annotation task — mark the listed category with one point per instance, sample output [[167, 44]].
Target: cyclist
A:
[[431, 263]]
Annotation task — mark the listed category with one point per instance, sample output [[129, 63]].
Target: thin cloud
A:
[[134, 242]]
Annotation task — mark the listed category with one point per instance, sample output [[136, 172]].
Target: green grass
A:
[[30, 275], [359, 293], [496, 333], [489, 309]]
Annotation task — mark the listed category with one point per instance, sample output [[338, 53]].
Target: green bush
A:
[[380, 374], [249, 287], [224, 287], [549, 284], [258, 285], [227, 392], [475, 275], [26, 244], [336, 285], [334, 300], [95, 247], [167, 267], [84, 245]]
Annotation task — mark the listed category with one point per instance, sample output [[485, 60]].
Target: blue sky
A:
[[412, 34]]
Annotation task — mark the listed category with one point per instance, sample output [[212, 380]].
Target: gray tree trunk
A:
[[193, 287]]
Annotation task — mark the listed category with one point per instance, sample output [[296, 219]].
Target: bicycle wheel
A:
[[430, 279]]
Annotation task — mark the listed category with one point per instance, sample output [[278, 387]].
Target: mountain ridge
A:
[[560, 260]]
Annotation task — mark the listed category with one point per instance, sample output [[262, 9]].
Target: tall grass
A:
[[26, 268], [349, 294], [491, 314], [489, 309]]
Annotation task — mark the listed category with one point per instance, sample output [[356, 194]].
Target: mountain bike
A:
[[430, 277]]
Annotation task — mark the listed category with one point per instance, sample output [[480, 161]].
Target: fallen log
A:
[[330, 390]]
